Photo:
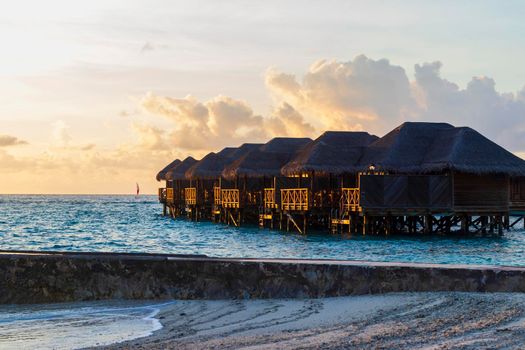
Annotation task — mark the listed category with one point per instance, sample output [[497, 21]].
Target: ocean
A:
[[128, 224]]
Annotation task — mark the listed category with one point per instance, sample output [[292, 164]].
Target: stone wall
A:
[[55, 277]]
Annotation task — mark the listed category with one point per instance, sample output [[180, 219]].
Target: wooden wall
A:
[[481, 193], [517, 193], [387, 192]]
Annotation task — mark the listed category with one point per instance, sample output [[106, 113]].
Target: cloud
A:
[[88, 147], [9, 163], [60, 133], [347, 95], [147, 47], [500, 116], [7, 140], [376, 96], [150, 137], [221, 121], [286, 121]]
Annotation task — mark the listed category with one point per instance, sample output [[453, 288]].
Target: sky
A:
[[96, 96]]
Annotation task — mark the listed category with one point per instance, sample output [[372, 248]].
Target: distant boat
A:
[[138, 189]]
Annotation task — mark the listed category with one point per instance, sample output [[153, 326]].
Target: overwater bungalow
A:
[[418, 178], [161, 176], [203, 196], [176, 178], [431, 177], [249, 176], [322, 171]]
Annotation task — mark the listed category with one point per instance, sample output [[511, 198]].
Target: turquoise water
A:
[[76, 325], [126, 224]]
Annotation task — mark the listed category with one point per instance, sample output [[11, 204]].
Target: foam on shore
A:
[[76, 325]]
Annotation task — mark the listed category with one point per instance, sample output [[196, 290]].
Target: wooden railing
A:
[[217, 195], [162, 194], [295, 199], [169, 194], [350, 199], [269, 198], [230, 198], [190, 195]]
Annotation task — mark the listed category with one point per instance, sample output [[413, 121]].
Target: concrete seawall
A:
[[27, 277]]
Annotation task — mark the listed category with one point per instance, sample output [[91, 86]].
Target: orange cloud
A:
[[221, 121], [7, 140]]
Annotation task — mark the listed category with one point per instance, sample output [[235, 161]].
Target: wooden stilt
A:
[[484, 223], [428, 224], [305, 223], [464, 224], [506, 221]]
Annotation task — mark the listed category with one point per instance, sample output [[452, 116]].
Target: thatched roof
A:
[[177, 172], [162, 174], [212, 165], [266, 160], [333, 152], [438, 147]]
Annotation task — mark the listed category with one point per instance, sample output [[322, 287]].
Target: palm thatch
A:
[[334, 152], [266, 160], [162, 174], [178, 172], [212, 165], [416, 147]]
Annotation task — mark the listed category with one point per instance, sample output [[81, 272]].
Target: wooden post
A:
[[305, 223], [428, 224], [491, 224], [365, 224], [464, 224], [484, 221]]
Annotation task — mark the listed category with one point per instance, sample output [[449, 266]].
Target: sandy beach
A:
[[407, 320]]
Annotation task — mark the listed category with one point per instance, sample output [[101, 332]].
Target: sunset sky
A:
[[98, 95]]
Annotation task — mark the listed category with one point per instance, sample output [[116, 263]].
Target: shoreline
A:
[[397, 320], [224, 303]]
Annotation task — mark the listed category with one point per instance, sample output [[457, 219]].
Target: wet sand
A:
[[390, 321]]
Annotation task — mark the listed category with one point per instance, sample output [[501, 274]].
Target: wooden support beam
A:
[[232, 219], [464, 224], [290, 218], [506, 221], [305, 223], [429, 224]]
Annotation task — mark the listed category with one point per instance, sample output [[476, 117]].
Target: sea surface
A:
[[76, 325], [129, 224]]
